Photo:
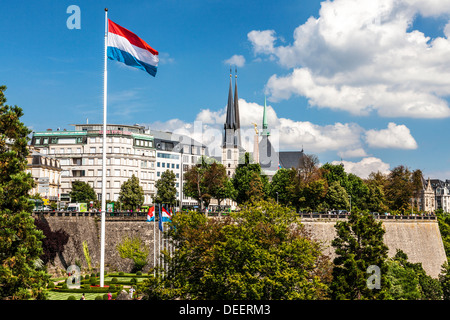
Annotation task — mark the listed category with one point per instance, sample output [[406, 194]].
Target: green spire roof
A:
[[265, 126]]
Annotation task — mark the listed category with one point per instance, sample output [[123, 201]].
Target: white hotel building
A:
[[130, 151]]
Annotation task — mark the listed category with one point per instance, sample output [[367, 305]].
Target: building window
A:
[[228, 154]]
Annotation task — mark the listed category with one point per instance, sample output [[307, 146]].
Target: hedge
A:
[[91, 290]]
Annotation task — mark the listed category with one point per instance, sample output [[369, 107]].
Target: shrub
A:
[[139, 273], [93, 281], [114, 280], [71, 298], [133, 281], [86, 277], [98, 298], [121, 273], [51, 285], [105, 296], [92, 274], [114, 296], [64, 285]]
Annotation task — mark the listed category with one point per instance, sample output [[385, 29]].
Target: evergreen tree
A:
[[166, 191], [22, 273], [131, 194], [358, 245]]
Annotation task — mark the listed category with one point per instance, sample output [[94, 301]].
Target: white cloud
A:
[[236, 60], [395, 136], [355, 153], [365, 167], [286, 134], [363, 56], [263, 41]]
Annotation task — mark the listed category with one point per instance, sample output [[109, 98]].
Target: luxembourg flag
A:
[[151, 214], [126, 47], [166, 216]]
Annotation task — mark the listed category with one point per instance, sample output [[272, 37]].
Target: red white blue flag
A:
[[166, 216], [151, 214], [126, 47]]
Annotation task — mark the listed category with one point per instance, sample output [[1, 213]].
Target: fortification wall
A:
[[420, 240], [86, 228]]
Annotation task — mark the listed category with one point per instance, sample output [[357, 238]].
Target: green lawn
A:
[[52, 295]]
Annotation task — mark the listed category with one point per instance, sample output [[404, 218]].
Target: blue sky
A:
[[365, 81]]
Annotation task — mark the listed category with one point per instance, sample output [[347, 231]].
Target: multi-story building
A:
[[177, 153], [131, 151], [427, 197], [46, 172]]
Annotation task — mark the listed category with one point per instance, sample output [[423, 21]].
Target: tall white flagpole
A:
[[154, 240], [105, 87]]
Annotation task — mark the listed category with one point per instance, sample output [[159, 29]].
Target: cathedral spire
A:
[[265, 126], [230, 118], [236, 111]]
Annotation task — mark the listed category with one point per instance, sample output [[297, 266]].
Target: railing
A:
[[88, 214], [302, 215], [376, 216]]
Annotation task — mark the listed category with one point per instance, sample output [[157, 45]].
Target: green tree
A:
[[376, 200], [308, 188], [82, 192], [399, 189], [249, 181], [217, 182], [22, 272], [335, 172], [409, 281], [358, 245], [278, 188], [134, 249], [403, 279], [166, 191], [195, 184], [358, 191], [131, 194], [444, 280], [253, 254], [337, 197]]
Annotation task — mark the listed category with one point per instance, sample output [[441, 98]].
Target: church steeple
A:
[[265, 126], [230, 118], [232, 137], [236, 111]]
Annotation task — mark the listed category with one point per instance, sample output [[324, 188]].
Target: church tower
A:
[[231, 147]]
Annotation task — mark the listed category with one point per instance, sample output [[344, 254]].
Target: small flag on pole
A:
[[151, 214], [126, 47], [166, 216]]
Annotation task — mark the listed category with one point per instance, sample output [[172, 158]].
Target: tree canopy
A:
[[22, 272], [253, 254], [131, 194]]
